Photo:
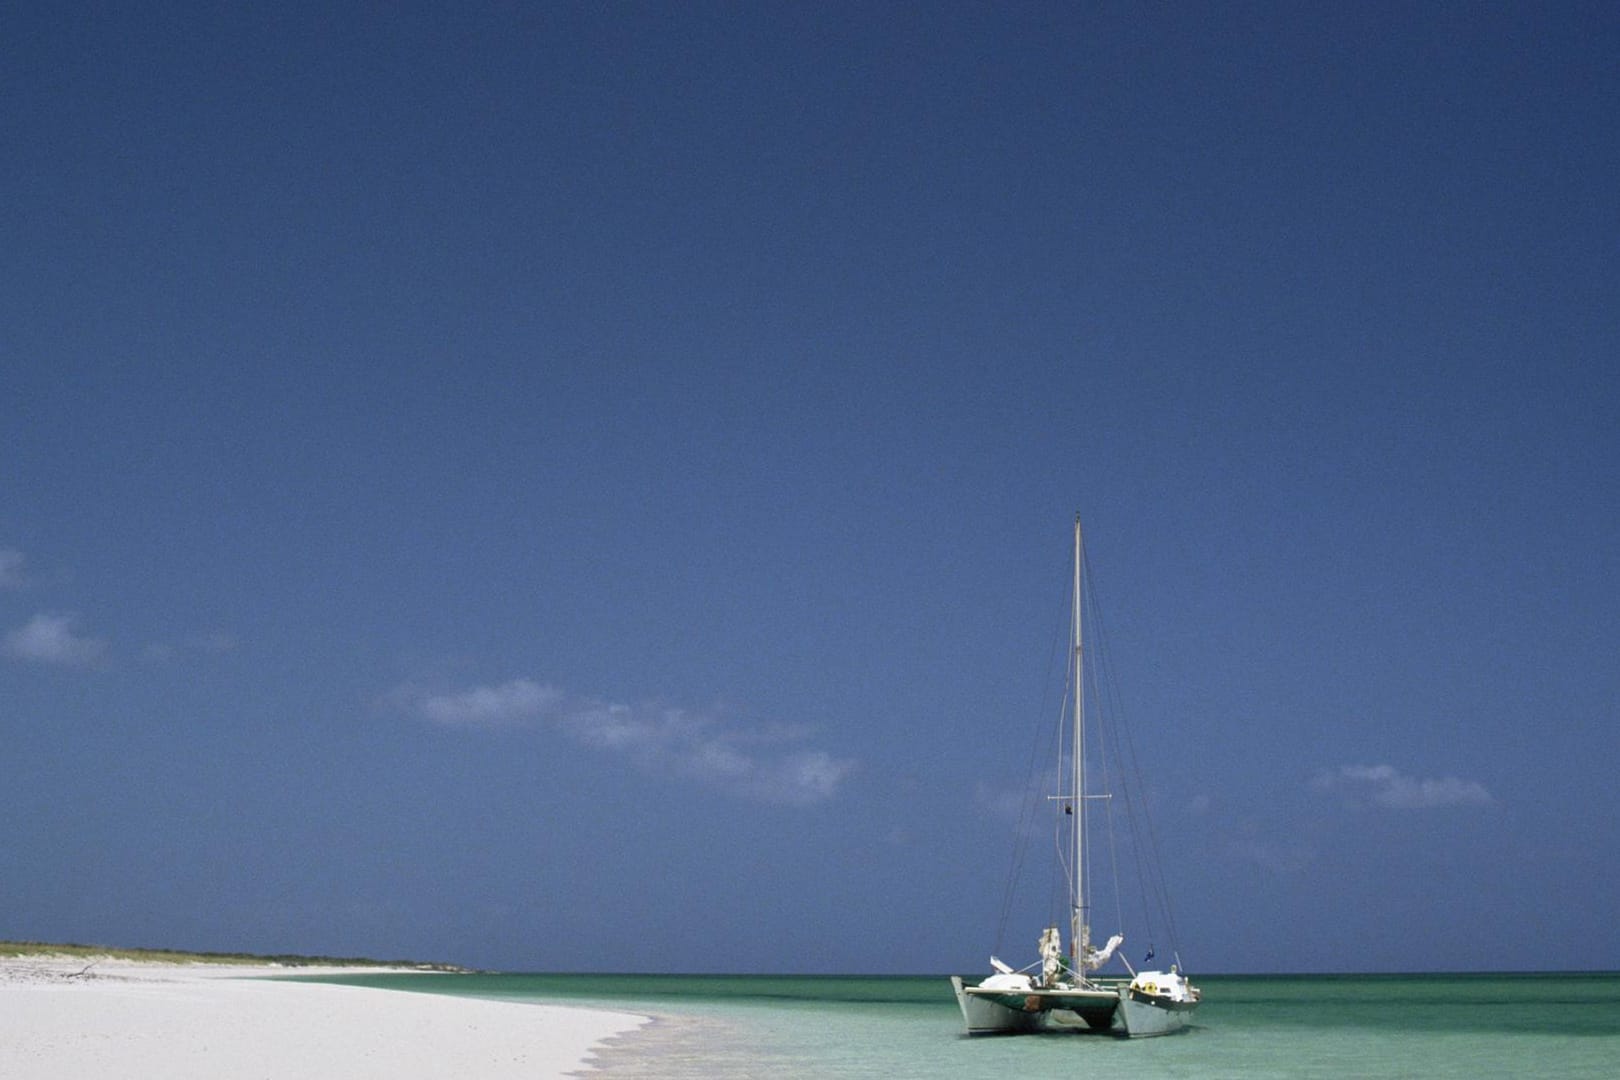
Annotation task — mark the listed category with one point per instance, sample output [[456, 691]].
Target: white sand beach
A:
[[61, 1017]]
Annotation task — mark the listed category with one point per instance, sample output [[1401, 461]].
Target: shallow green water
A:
[[1248, 1026]]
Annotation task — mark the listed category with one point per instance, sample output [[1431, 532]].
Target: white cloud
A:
[[11, 569], [756, 761], [1387, 787], [1026, 805], [1282, 857], [489, 706], [50, 639], [815, 775]]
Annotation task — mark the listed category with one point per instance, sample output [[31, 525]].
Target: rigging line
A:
[[1064, 868], [1108, 686], [1150, 873], [1156, 877], [1113, 868], [1083, 901], [1057, 896], [1021, 835], [1066, 893], [1105, 721], [1024, 830], [1150, 869], [1099, 725], [1107, 714], [1074, 784]]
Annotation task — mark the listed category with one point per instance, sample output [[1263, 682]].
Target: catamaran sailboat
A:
[[1060, 990]]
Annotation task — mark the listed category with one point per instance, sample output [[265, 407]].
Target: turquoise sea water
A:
[[1249, 1026]]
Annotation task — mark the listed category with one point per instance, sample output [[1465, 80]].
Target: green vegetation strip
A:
[[16, 949]]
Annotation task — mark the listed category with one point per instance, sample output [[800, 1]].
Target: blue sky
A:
[[589, 487]]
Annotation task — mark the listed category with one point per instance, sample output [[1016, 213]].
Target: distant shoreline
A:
[[65, 950]]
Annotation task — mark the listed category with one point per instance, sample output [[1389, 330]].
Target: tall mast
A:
[[1078, 930]]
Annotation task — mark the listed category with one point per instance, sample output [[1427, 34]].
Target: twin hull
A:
[[1118, 1010]]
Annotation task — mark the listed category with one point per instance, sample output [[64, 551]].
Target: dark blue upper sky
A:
[[588, 486]]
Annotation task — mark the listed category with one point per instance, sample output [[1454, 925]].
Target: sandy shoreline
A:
[[183, 1021]]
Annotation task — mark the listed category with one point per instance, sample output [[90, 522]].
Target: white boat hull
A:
[[1142, 1016], [1117, 1011], [985, 1016]]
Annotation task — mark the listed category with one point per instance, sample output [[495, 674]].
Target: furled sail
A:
[[1051, 955], [1096, 958]]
